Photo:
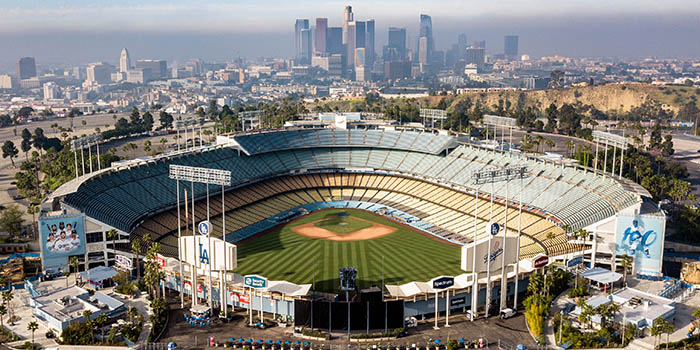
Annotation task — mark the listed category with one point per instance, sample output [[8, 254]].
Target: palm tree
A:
[[132, 313], [657, 329], [32, 326], [101, 320], [626, 262], [75, 263], [3, 312], [668, 329], [91, 324], [136, 249], [7, 297], [112, 234]]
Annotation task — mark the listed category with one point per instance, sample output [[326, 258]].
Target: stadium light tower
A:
[[80, 144], [206, 176], [251, 116], [432, 114], [616, 141], [504, 123], [492, 176]]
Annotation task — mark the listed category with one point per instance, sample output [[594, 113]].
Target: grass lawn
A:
[[408, 255], [341, 224]]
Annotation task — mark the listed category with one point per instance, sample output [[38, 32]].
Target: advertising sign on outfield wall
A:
[[484, 253]]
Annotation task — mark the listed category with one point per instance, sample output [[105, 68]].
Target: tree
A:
[[667, 146], [569, 119], [137, 249], [11, 220], [112, 234], [626, 263], [75, 263], [657, 329], [7, 297], [26, 146], [87, 314], [147, 121], [132, 313], [3, 312], [9, 150], [32, 327], [551, 113], [655, 138], [135, 117], [101, 321], [166, 120], [667, 327]]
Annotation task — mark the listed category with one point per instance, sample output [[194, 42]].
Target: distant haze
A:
[[82, 31]]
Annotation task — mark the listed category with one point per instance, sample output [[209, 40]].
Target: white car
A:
[[507, 313]]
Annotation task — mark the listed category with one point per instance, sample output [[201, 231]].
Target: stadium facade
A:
[[421, 178]]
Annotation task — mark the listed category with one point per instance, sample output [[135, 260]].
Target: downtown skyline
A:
[[565, 30]]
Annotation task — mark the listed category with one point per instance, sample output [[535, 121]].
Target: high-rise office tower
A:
[[299, 25], [360, 34], [321, 30], [124, 61], [426, 31], [350, 44], [461, 45], [305, 46], [348, 18], [479, 44], [477, 56], [369, 42], [26, 68], [510, 46], [397, 41], [334, 40]]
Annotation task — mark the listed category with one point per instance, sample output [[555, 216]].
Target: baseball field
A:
[[326, 240]]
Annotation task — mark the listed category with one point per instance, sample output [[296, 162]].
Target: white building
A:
[[62, 307], [6, 82], [51, 91]]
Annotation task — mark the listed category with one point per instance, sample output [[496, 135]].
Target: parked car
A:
[[507, 313]]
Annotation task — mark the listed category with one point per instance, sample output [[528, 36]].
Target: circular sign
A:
[[204, 227], [495, 228]]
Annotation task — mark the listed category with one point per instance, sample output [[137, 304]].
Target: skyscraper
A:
[[305, 46], [299, 25], [510, 46], [159, 68], [397, 41], [350, 45], [479, 44], [348, 17], [360, 34], [26, 68], [477, 56], [426, 31], [369, 42], [124, 61], [321, 30], [99, 72], [334, 40]]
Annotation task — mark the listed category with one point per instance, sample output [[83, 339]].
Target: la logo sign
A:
[[203, 255]]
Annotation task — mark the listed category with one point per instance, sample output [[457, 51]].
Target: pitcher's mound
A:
[[312, 231]]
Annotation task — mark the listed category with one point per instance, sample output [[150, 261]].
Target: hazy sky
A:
[[81, 31]]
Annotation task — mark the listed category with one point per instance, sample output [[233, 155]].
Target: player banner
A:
[[642, 238], [62, 236]]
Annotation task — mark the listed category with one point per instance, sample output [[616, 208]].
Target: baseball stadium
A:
[[396, 204]]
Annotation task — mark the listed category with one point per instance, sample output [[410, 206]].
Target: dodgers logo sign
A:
[[495, 228], [495, 251], [204, 227], [203, 254]]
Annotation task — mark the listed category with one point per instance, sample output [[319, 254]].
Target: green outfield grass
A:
[[408, 255]]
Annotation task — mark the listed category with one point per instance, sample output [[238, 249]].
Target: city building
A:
[[334, 40], [99, 73], [59, 308], [369, 43], [26, 68], [477, 56], [397, 69], [124, 61], [320, 37], [395, 50], [510, 47], [139, 75], [159, 68], [302, 41], [348, 18], [426, 46], [7, 82], [51, 91], [479, 44]]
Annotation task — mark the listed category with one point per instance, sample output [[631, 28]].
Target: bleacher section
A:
[[438, 210], [270, 141], [552, 195]]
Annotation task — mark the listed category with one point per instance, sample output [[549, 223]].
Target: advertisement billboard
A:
[[194, 250], [642, 238], [62, 236], [484, 253]]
